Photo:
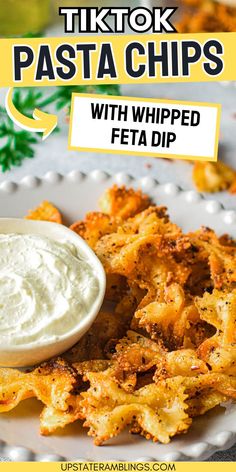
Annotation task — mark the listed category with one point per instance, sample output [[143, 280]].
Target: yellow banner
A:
[[117, 466], [117, 59]]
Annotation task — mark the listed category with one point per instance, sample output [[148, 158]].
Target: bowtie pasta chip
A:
[[52, 383], [45, 212], [158, 411], [213, 176], [123, 202]]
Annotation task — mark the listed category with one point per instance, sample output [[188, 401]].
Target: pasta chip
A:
[[219, 351], [206, 16], [168, 320], [212, 176], [184, 362], [95, 225], [52, 383], [92, 345], [147, 261], [52, 419], [218, 309], [155, 411], [45, 212], [123, 202], [204, 401], [220, 254], [134, 354], [222, 383], [153, 220]]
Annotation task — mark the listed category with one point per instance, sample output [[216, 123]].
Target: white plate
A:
[[75, 194]]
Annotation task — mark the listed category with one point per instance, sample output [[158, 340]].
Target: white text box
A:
[[149, 127]]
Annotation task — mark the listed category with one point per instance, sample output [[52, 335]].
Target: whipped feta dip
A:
[[46, 289]]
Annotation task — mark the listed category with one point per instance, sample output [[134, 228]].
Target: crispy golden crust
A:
[[146, 250], [169, 320], [224, 384], [220, 254], [45, 212], [213, 176], [152, 220], [204, 402], [206, 16], [91, 347], [122, 202], [184, 362], [52, 383], [158, 412], [134, 355], [219, 351], [95, 225]]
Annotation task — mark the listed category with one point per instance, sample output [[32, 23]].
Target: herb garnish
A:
[[15, 144]]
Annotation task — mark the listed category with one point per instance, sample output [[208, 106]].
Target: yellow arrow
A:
[[40, 123]]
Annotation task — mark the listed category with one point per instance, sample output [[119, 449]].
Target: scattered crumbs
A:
[[148, 165]]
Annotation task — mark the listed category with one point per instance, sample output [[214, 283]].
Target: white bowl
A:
[[30, 354]]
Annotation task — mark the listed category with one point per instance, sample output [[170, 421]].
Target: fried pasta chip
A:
[[52, 383], [218, 309], [134, 355], [51, 419], [206, 16], [169, 320], [219, 351], [184, 362], [202, 395], [142, 263], [145, 251], [157, 412], [92, 345], [220, 254], [153, 220], [95, 225], [222, 383], [123, 202], [204, 401], [205, 391], [45, 212], [212, 176], [220, 358]]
